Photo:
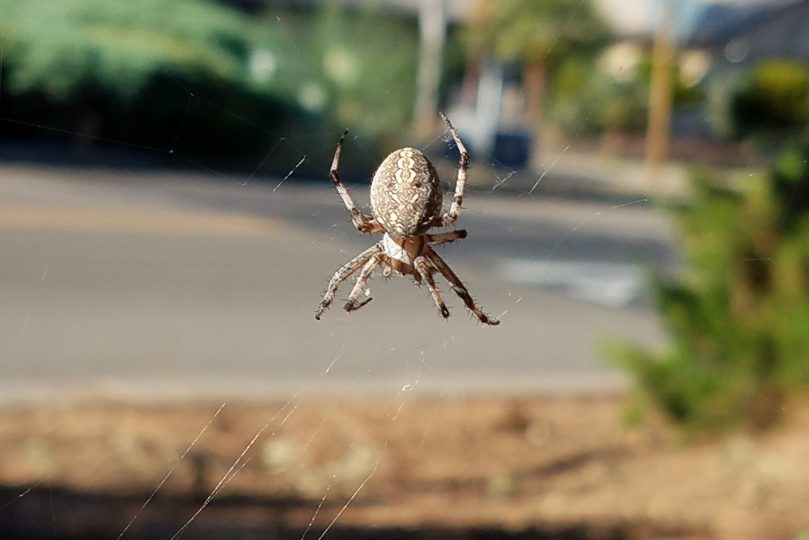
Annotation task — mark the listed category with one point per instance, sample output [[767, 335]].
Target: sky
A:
[[639, 16]]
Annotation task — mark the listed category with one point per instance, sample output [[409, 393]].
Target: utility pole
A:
[[432, 30], [658, 132]]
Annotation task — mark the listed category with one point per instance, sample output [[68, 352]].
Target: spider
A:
[[406, 201]]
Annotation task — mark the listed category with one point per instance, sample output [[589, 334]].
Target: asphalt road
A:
[[171, 286]]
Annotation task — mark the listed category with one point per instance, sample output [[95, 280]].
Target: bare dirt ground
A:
[[563, 464]]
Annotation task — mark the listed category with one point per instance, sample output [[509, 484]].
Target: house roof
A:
[[719, 23]]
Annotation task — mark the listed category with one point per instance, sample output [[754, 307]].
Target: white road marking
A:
[[607, 284]]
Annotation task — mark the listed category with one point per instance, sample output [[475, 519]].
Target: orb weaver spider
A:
[[406, 202]]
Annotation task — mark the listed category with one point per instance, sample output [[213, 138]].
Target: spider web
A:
[[214, 231]]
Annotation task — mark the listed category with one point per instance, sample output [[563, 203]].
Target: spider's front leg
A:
[[363, 223], [343, 274], [463, 164], [355, 299], [426, 272]]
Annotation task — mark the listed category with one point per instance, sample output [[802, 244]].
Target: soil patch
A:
[[414, 467]]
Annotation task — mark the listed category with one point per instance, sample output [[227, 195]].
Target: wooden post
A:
[[658, 132]]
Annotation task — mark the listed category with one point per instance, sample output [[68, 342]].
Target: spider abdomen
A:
[[406, 193]]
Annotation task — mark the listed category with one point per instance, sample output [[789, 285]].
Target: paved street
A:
[[171, 285]]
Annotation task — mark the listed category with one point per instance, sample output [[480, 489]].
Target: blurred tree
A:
[[589, 101], [368, 61], [538, 34], [737, 318], [128, 70], [658, 132], [61, 48]]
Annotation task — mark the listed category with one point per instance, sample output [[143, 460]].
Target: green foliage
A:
[[132, 66], [139, 70], [603, 104], [537, 35], [590, 102], [738, 316], [532, 31], [61, 48], [772, 98], [368, 68]]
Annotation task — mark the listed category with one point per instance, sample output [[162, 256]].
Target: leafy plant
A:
[[772, 98], [738, 315], [368, 65], [588, 100], [600, 103], [137, 70]]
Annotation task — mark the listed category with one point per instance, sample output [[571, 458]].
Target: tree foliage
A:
[[771, 99], [368, 63], [133, 66], [589, 101], [61, 48], [775, 97], [531, 31], [738, 315], [535, 34]]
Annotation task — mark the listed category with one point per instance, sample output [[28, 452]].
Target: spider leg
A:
[[355, 299], [445, 237], [363, 223], [458, 286], [463, 164], [343, 273], [426, 272]]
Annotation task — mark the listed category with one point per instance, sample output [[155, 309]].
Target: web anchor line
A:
[[170, 472]]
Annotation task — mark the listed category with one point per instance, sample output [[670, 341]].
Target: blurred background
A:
[[636, 218]]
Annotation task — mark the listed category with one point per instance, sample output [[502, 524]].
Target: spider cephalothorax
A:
[[406, 202]]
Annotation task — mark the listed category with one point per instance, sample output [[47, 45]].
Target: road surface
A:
[[168, 285]]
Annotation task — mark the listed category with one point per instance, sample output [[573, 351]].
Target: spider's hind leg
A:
[[355, 299]]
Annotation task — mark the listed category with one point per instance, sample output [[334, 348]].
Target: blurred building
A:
[[712, 36], [741, 35]]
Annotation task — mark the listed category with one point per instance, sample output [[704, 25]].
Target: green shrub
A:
[[590, 101], [738, 316], [368, 62], [771, 99], [599, 102], [129, 69]]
